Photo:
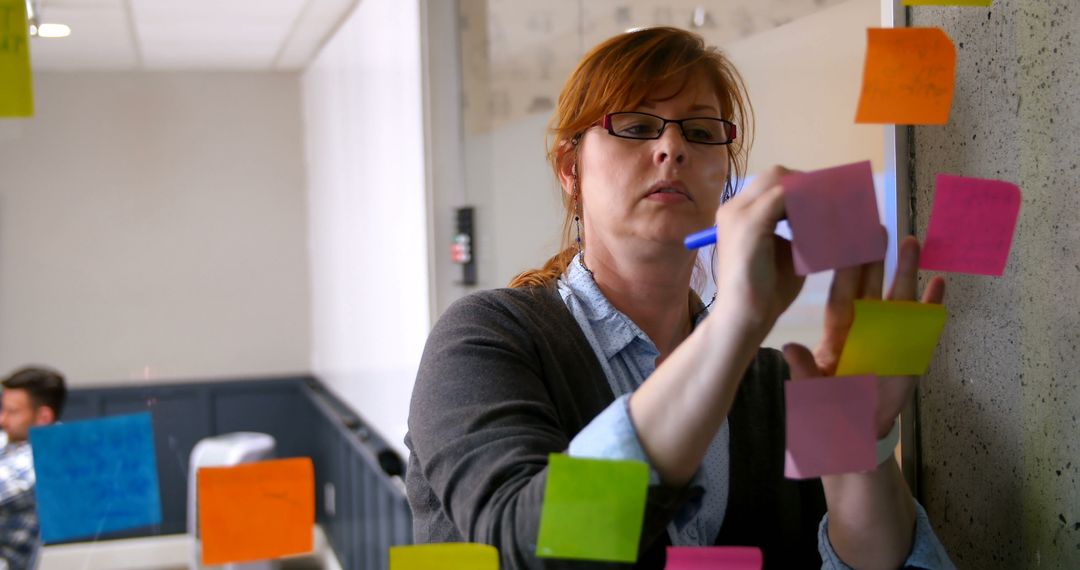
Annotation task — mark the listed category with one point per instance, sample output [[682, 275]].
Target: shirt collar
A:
[[614, 330]]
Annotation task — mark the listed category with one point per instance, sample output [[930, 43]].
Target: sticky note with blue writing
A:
[[95, 477]]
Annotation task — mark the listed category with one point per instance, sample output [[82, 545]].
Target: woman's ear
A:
[[566, 161]]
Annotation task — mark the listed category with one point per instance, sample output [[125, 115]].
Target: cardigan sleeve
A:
[[496, 392]]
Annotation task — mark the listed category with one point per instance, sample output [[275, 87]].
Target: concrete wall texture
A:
[[1000, 461]]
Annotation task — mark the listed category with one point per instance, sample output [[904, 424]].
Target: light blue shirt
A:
[[628, 357]]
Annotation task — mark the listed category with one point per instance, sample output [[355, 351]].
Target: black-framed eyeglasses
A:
[[643, 126]]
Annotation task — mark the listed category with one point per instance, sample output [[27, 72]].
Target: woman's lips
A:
[[668, 197], [669, 191]]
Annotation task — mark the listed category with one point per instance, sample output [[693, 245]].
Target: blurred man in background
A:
[[31, 397]]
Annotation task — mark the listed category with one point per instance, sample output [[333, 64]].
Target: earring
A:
[[729, 191], [577, 216], [577, 224]]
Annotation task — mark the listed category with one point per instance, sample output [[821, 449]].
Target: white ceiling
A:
[[188, 35]]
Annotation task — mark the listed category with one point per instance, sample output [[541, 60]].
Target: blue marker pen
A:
[[707, 236], [701, 239]]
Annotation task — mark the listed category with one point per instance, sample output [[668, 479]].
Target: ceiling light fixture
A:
[[53, 31], [38, 29]]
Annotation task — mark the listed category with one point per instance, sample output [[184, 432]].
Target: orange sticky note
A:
[[256, 511], [908, 77], [16, 95]]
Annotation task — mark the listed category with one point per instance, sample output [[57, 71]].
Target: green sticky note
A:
[[947, 2], [16, 96], [891, 338], [449, 556], [593, 509]]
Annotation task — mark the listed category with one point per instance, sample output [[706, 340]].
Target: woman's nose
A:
[[671, 146]]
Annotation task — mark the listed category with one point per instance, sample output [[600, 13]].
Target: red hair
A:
[[621, 74]]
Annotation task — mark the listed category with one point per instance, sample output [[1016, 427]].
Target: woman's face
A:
[[644, 192]]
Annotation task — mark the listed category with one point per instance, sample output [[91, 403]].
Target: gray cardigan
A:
[[507, 377]]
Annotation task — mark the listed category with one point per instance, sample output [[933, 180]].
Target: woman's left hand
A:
[[865, 282]]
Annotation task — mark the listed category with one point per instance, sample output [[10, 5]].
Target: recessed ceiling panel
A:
[[100, 38], [213, 34]]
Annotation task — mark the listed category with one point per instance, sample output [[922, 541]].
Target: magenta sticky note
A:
[[830, 426], [834, 218], [713, 558], [971, 225]]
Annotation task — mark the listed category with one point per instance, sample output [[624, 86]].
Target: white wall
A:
[[363, 113], [152, 227], [804, 79]]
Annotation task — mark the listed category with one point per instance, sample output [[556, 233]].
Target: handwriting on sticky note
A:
[[448, 556], [593, 509], [16, 95], [256, 511], [891, 338], [908, 77], [830, 426], [833, 217], [95, 477], [947, 2], [714, 557], [971, 225]]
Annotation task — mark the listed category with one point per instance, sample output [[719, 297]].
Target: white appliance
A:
[[223, 450]]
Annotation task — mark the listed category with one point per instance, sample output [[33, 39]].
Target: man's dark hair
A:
[[45, 386]]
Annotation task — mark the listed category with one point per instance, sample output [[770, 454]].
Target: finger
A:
[[768, 208], [871, 280], [905, 282], [788, 282], [935, 291], [839, 314], [844, 287], [762, 182], [873, 274], [800, 361]]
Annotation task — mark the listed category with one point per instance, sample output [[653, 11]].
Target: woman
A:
[[606, 352]]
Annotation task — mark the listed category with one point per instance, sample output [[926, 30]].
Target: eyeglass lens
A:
[[644, 126]]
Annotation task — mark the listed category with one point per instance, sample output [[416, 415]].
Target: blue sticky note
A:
[[95, 476]]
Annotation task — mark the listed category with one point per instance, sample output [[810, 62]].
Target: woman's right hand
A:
[[755, 275], [679, 409]]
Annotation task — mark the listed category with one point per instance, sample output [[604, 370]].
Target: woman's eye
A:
[[636, 129], [701, 133]]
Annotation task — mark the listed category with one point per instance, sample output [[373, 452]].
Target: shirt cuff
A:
[[612, 435], [927, 552]]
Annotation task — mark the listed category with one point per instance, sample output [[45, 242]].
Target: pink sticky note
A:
[[713, 558], [830, 426], [971, 225], [834, 218]]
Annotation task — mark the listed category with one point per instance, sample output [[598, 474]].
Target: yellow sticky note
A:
[[16, 95], [908, 77], [891, 338], [947, 2], [448, 556]]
